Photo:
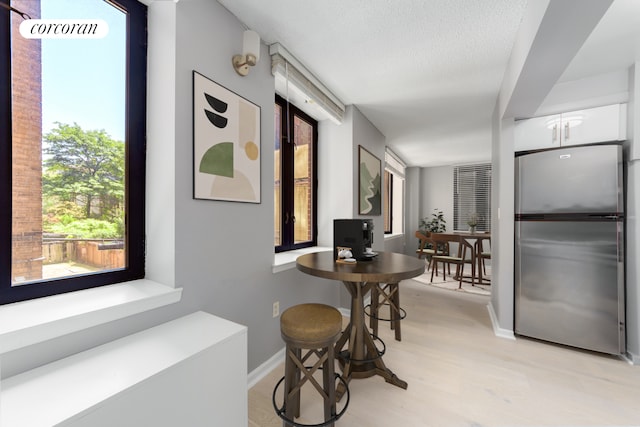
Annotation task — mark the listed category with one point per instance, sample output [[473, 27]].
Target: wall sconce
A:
[[250, 53]]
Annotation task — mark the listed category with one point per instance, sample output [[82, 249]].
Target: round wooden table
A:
[[361, 358]]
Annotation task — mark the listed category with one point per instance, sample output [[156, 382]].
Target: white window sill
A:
[[393, 236], [287, 260], [29, 322]]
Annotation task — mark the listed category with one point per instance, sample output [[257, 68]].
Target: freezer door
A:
[[570, 283], [570, 180]]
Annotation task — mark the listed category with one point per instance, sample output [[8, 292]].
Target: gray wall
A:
[[412, 211], [223, 250], [365, 134], [396, 244], [435, 189], [437, 193], [502, 225]]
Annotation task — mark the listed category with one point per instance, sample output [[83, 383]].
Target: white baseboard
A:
[[497, 330], [263, 370], [632, 359]]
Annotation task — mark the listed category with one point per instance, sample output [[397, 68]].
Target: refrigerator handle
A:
[[620, 242]]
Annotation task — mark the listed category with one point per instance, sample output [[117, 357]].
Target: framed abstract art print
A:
[[226, 144], [369, 183]]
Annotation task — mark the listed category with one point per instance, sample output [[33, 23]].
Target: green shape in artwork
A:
[[218, 160]]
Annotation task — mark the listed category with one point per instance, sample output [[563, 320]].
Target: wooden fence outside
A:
[[82, 251]]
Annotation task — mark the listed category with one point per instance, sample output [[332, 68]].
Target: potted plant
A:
[[435, 223], [472, 222]]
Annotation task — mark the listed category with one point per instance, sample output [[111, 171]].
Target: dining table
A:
[[356, 349], [472, 241]]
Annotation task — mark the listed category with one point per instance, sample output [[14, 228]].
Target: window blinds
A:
[[293, 79], [472, 195], [394, 164]]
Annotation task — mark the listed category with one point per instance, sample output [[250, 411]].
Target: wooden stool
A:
[[390, 294], [316, 328]]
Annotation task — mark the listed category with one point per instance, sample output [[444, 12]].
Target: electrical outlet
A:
[[276, 308]]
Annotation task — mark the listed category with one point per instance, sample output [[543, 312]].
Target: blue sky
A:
[[83, 79]]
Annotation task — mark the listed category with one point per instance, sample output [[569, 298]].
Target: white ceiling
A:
[[426, 73]]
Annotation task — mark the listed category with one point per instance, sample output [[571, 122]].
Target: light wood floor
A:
[[460, 374]]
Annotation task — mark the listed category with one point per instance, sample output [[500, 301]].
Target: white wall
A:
[[335, 160], [592, 91], [161, 110]]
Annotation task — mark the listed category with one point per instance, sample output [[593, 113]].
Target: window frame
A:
[[135, 161], [394, 208], [388, 201], [459, 217], [287, 179]]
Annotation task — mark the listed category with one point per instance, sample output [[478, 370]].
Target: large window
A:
[[295, 180], [394, 173], [472, 197], [72, 147]]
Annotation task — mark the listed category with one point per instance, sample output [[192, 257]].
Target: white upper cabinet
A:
[[537, 133], [587, 126]]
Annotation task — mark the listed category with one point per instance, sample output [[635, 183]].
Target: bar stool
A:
[[386, 295], [316, 328]]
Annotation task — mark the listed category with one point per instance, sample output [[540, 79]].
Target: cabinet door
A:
[[591, 125], [537, 133]]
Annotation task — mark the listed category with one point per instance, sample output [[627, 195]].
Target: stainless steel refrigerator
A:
[[569, 242]]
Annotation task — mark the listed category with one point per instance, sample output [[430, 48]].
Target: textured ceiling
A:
[[426, 73]]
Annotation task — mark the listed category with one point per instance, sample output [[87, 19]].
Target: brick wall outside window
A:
[[27, 151]]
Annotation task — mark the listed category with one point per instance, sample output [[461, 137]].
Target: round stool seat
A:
[[310, 330], [310, 324]]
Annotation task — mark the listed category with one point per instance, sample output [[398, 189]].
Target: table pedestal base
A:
[[369, 369], [361, 358], [360, 370]]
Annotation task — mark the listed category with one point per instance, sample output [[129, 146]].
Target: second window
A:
[[295, 177]]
